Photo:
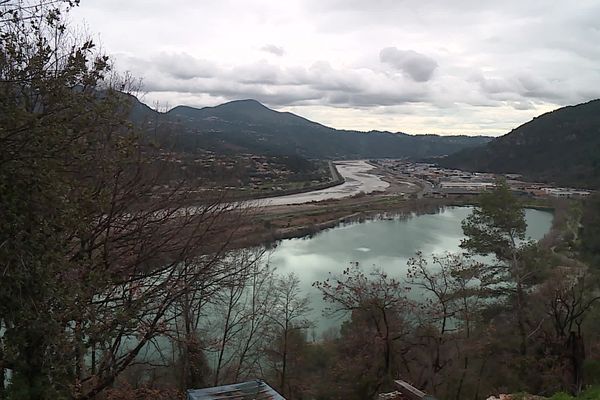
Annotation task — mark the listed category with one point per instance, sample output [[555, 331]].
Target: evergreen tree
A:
[[497, 227]]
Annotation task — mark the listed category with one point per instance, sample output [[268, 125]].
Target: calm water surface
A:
[[386, 244]]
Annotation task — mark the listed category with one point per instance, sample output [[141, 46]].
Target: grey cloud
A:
[[260, 72], [561, 40], [323, 84], [229, 90], [495, 57], [523, 105], [520, 88], [418, 66], [273, 49], [183, 66], [496, 86], [282, 86], [539, 88], [375, 99], [323, 77]]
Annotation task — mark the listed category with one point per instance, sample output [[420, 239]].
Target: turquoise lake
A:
[[385, 243]]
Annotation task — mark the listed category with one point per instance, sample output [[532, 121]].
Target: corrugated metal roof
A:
[[252, 390]]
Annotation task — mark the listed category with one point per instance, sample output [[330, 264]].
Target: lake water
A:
[[386, 244]]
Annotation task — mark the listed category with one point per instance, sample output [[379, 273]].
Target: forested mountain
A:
[[248, 126], [562, 146]]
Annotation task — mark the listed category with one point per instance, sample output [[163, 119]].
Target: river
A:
[[383, 243], [357, 179]]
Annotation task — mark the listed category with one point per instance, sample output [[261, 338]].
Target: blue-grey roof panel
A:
[[252, 390]]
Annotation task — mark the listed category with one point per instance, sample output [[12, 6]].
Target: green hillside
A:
[[561, 147], [250, 127]]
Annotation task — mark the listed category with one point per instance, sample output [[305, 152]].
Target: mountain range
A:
[[560, 147], [247, 126]]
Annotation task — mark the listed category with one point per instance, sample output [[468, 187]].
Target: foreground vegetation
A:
[[114, 288], [592, 393]]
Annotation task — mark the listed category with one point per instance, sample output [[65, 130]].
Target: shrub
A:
[[592, 393], [561, 396]]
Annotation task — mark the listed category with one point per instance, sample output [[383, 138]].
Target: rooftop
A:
[[252, 390]]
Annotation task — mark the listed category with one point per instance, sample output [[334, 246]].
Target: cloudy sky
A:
[[437, 66]]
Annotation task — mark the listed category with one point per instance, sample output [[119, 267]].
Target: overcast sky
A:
[[448, 67]]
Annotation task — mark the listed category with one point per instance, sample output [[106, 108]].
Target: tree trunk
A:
[[521, 318], [577, 358], [284, 359], [225, 336]]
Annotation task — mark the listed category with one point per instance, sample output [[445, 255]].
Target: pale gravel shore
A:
[[357, 179]]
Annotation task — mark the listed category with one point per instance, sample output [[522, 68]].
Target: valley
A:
[[320, 214], [377, 187]]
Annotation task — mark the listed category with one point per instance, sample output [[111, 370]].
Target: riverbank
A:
[[371, 191], [274, 223], [360, 177], [336, 179]]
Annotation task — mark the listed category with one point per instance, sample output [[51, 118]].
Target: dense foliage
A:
[[590, 231], [94, 252]]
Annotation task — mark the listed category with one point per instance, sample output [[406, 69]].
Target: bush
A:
[[561, 396], [591, 371], [592, 393]]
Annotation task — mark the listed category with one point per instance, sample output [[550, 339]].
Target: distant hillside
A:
[[562, 146], [248, 126]]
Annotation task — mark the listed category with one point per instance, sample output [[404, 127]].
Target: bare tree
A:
[[378, 299], [259, 304], [568, 297], [288, 314], [232, 303], [452, 288], [228, 322]]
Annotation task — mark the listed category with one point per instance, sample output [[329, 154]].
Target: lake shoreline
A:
[[275, 223], [385, 241]]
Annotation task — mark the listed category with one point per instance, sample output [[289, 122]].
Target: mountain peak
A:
[[248, 102], [251, 127], [243, 105], [242, 111]]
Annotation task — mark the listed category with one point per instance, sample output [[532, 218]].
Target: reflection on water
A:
[[387, 243]]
